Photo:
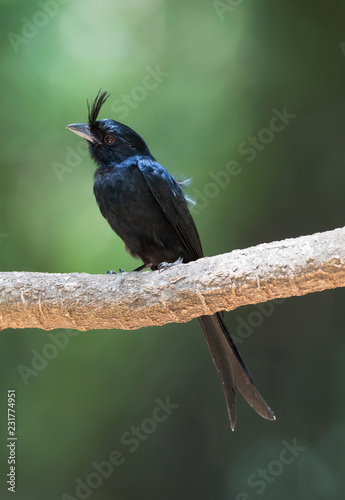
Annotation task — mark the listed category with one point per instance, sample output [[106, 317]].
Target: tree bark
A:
[[269, 271]]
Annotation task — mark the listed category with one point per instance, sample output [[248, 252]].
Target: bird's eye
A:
[[109, 139]]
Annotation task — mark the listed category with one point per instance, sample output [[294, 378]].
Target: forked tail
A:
[[231, 369]]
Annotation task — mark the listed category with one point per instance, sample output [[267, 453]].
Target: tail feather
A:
[[231, 369]]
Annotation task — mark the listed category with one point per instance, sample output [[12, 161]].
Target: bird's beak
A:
[[83, 130]]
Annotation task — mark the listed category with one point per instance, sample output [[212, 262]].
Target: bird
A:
[[148, 210]]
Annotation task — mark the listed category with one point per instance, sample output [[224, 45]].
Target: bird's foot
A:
[[114, 272], [163, 266]]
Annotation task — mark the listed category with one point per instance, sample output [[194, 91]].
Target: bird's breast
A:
[[121, 193]]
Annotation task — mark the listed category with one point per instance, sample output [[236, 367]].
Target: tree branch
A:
[[274, 270]]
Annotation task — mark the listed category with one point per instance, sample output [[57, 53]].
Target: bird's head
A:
[[109, 141]]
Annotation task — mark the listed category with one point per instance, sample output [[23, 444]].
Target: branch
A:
[[269, 271]]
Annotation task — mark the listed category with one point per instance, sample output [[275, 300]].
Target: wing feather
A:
[[171, 199]]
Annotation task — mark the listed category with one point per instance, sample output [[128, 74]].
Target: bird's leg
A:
[[141, 268], [114, 272], [166, 265]]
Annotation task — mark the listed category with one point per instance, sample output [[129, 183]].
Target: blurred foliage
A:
[[227, 71]]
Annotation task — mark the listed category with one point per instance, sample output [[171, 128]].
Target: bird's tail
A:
[[231, 369]]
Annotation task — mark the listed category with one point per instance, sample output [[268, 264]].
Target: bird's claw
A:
[[114, 272], [163, 266]]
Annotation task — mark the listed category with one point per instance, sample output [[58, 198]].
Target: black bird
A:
[[146, 207]]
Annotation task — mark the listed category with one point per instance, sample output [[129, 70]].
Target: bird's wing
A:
[[173, 203]]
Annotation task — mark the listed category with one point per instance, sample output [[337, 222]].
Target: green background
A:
[[227, 69]]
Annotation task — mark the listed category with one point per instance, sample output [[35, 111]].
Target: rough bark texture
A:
[[286, 268]]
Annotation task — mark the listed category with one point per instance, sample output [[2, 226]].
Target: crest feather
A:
[[94, 110]]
